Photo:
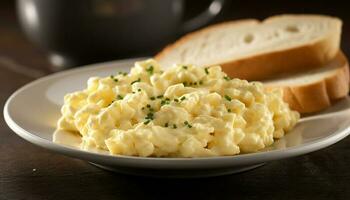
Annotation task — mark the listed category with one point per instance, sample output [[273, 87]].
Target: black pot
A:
[[85, 31]]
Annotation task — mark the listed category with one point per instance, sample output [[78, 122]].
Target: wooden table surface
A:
[[31, 172]]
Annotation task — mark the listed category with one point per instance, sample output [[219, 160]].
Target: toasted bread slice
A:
[[315, 90], [253, 50]]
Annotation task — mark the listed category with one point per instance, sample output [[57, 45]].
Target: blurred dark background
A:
[[16, 48]]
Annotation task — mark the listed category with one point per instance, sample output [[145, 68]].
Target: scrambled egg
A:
[[186, 111]]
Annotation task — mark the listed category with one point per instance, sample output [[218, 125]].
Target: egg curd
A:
[[185, 111]]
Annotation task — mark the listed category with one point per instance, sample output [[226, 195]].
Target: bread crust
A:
[[318, 95], [268, 65], [338, 85], [307, 98]]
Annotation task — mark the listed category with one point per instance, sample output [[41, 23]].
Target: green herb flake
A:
[[229, 110], [150, 69], [176, 100], [159, 96], [187, 124], [195, 83], [149, 116], [148, 106], [152, 98], [139, 90], [227, 78], [182, 98], [185, 83], [228, 98], [147, 122], [114, 79], [166, 124], [111, 103], [206, 70], [120, 97], [184, 67], [164, 102], [123, 73], [135, 81], [174, 126]]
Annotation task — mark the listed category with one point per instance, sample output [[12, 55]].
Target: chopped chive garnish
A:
[[176, 100], [111, 103], [114, 79], [142, 108], [149, 116], [123, 73], [195, 83], [174, 126], [159, 96], [148, 106], [166, 124], [152, 98], [139, 90], [167, 99], [228, 110], [120, 96], [150, 69], [182, 98], [185, 83], [185, 67], [227, 98], [187, 124], [133, 92], [206, 70], [135, 81], [147, 122], [227, 78], [163, 102]]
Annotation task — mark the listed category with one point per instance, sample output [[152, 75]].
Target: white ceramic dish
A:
[[32, 112]]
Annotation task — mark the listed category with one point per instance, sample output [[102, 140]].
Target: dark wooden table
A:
[[31, 172]]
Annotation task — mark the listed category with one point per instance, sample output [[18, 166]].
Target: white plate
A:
[[33, 110]]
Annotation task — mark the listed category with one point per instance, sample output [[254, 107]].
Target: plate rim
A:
[[163, 162]]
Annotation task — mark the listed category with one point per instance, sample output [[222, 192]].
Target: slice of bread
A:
[[316, 89], [253, 50]]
